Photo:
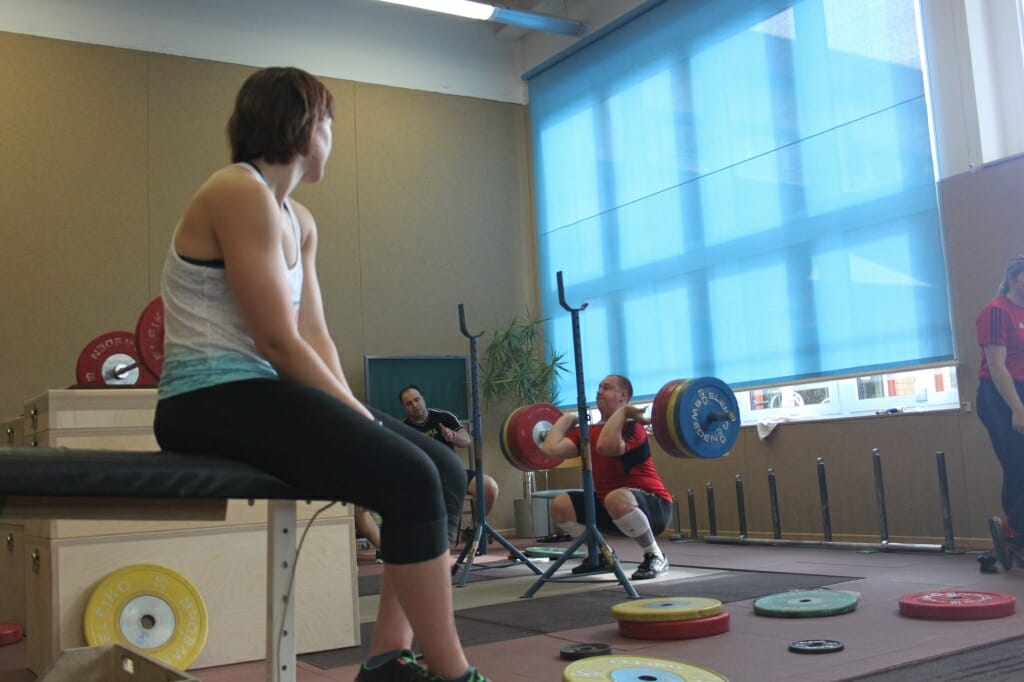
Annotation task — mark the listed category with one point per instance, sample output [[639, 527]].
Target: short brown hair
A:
[[410, 387], [624, 385], [1014, 267], [275, 112]]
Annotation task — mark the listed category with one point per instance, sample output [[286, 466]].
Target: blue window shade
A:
[[744, 190]]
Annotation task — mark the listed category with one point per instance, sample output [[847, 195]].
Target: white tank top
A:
[[206, 340]]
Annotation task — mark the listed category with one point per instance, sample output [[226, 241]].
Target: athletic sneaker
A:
[[652, 566], [378, 558], [1002, 541], [401, 669], [474, 676], [588, 566]]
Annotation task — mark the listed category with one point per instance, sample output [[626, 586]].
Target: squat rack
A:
[[483, 530], [596, 546]]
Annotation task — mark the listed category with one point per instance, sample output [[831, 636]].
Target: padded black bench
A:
[[65, 483]]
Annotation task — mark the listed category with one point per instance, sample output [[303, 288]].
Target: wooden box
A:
[[117, 419], [63, 560], [130, 409], [227, 566], [12, 573], [12, 542]]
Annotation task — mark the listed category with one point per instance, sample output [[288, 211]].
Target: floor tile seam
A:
[[764, 571]]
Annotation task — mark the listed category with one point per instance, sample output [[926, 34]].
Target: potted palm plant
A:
[[516, 368]]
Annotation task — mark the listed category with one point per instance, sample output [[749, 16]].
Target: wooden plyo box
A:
[[63, 560], [12, 542], [12, 573], [119, 410]]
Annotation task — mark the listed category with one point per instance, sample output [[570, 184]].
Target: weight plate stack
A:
[[628, 668], [666, 609]]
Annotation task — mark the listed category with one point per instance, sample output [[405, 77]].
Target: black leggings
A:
[[1009, 447], [315, 442]]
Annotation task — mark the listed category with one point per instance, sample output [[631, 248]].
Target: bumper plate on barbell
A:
[[696, 418], [522, 434], [149, 337], [110, 359]]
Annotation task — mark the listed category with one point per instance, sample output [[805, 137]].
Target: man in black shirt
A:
[[445, 427]]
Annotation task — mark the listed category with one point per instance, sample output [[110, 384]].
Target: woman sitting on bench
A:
[[250, 371]]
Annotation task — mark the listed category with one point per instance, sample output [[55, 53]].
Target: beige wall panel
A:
[[443, 198], [444, 219], [189, 102], [73, 187]]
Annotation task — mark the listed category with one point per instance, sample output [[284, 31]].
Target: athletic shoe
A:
[[378, 558], [401, 669], [1002, 541], [652, 566], [588, 566], [987, 563], [474, 676]]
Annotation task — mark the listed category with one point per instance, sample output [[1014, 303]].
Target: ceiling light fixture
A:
[[482, 11]]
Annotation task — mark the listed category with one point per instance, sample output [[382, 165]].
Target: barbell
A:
[[690, 418], [123, 358]]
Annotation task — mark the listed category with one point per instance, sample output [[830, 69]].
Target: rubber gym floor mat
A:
[[999, 662], [544, 614], [370, 584]]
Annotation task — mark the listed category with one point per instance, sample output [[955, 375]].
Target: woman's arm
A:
[[312, 323], [247, 220], [996, 358]]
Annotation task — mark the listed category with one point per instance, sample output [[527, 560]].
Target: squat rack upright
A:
[[483, 529], [596, 545]]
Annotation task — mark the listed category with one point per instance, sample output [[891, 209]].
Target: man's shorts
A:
[[657, 509]]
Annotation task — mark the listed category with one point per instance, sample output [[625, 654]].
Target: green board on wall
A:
[[442, 380]]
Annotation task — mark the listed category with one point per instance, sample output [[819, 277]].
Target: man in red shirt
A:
[[630, 497]]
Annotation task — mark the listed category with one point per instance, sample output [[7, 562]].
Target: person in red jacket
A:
[[1000, 328], [630, 497]]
